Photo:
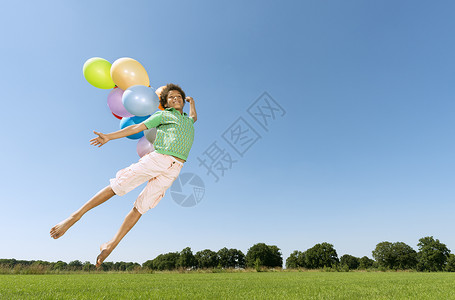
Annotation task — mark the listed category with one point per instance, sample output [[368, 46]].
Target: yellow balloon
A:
[[97, 72], [126, 72]]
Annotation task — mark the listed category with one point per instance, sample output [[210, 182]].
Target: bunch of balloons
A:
[[131, 99]]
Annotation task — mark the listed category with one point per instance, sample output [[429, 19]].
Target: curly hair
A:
[[170, 87]]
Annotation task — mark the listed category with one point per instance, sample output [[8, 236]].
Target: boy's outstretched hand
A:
[[100, 140]]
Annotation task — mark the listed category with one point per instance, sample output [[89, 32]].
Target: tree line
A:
[[432, 255]]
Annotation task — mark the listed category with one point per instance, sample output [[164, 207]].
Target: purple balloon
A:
[[114, 101], [144, 147]]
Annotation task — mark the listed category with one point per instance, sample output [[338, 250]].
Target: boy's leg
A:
[[148, 198], [149, 166], [106, 248], [156, 188], [101, 197]]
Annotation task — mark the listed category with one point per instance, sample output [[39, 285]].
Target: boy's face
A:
[[175, 100]]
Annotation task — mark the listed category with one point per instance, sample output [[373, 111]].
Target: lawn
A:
[[241, 285]]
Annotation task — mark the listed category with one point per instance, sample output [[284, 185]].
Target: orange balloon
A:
[[126, 72], [158, 92]]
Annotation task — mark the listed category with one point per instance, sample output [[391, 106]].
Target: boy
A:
[[174, 138]]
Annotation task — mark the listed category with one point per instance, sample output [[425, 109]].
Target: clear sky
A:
[[363, 151]]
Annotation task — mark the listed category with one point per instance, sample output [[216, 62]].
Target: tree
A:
[[302, 260], [60, 265], [107, 266], [365, 263], [120, 266], [87, 266], [206, 259], [186, 259], [350, 261], [406, 257], [292, 262], [42, 263], [450, 267], [236, 258], [269, 256], [231, 258], [321, 255], [433, 254], [130, 266], [7, 262], [75, 265], [148, 264], [395, 255], [383, 254], [125, 266], [275, 259], [224, 257], [166, 261]]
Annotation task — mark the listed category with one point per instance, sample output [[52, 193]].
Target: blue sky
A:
[[363, 154]]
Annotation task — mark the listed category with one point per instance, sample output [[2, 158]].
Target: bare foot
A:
[[106, 249], [60, 229]]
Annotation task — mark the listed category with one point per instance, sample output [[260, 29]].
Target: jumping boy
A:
[[174, 138]]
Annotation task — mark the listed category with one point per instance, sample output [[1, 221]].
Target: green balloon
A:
[[97, 71]]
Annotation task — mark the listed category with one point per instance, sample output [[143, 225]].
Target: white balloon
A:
[[140, 100], [150, 134]]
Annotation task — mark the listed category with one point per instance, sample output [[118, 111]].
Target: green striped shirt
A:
[[174, 132]]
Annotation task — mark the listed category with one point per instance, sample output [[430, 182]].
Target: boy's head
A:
[[174, 93]]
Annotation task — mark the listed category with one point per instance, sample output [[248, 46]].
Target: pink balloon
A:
[[144, 147], [114, 101]]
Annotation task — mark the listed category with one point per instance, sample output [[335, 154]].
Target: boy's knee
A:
[[138, 210], [110, 191]]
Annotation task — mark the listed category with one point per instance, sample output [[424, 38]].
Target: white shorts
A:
[[158, 169]]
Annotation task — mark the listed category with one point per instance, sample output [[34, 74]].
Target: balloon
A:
[[150, 134], [144, 147], [126, 72], [158, 93], [118, 117], [140, 100], [97, 71], [159, 90], [114, 101], [125, 122]]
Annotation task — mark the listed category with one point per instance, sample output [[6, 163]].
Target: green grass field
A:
[[241, 285]]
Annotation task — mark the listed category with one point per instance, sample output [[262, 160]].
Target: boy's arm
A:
[[153, 121], [193, 113], [127, 131]]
